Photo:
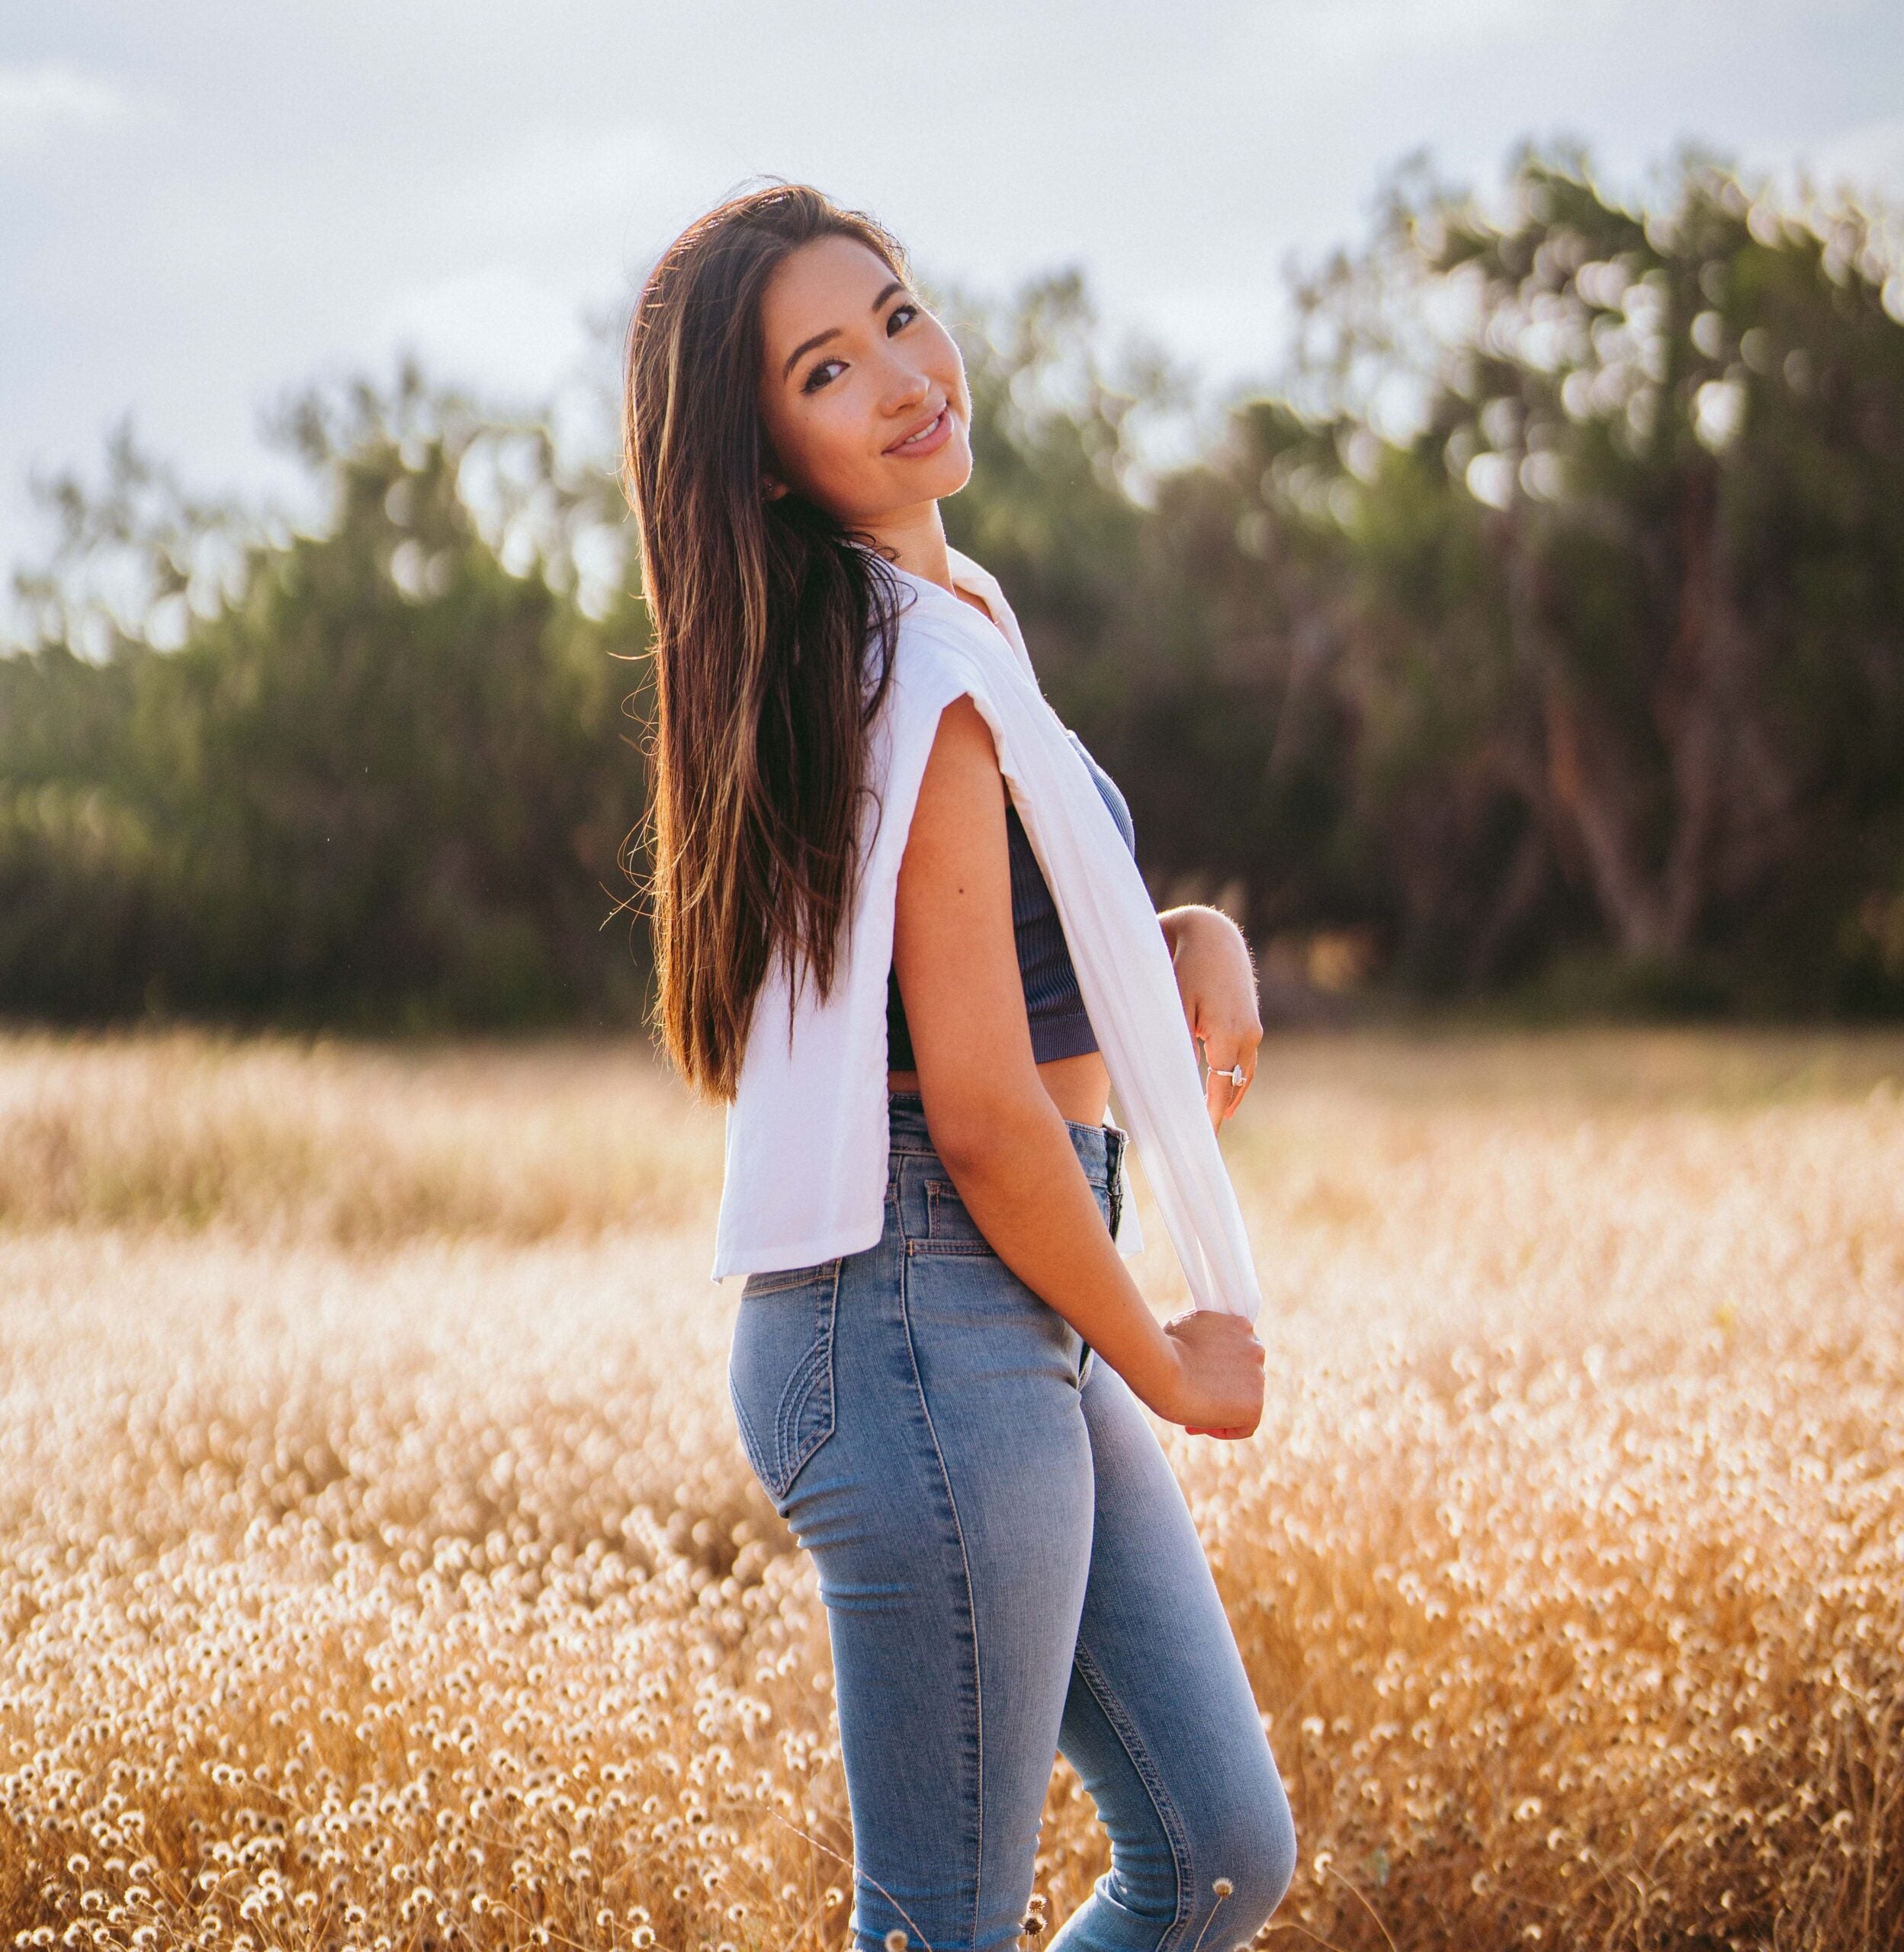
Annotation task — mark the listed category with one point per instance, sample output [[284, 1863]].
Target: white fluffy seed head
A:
[[1653, 1352]]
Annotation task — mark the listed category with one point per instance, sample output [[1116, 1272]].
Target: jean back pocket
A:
[[780, 1371]]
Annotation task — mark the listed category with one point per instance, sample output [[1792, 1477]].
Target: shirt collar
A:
[[968, 575]]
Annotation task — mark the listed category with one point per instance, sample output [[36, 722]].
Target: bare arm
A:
[[1002, 1139], [1216, 980]]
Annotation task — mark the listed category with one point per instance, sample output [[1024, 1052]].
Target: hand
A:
[[1217, 982], [1218, 1387]]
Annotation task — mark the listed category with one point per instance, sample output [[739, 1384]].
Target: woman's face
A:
[[852, 364]]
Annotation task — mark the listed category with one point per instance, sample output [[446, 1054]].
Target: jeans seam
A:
[[971, 1605], [749, 1442], [777, 1281], [1168, 1819], [816, 1363], [793, 1407], [931, 1243]]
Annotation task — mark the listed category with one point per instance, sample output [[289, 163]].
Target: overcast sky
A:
[[201, 204]]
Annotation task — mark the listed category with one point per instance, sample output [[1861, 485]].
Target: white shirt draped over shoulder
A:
[[807, 1144]]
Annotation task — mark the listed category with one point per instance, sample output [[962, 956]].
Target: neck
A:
[[915, 538]]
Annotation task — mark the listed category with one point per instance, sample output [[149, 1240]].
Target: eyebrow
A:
[[833, 331]]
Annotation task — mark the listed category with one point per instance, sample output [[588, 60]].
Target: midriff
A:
[[1080, 1086]]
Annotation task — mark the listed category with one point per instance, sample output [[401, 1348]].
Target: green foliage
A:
[[1616, 618], [1546, 633], [383, 786], [1048, 509]]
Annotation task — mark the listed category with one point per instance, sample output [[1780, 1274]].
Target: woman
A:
[[1008, 1566]]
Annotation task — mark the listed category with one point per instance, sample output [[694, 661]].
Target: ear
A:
[[770, 490]]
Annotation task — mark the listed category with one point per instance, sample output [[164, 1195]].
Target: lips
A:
[[929, 428]]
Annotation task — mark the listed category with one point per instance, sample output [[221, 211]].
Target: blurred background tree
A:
[[376, 778], [1623, 615], [1541, 637]]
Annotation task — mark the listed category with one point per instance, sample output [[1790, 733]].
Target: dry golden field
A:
[[381, 1569]]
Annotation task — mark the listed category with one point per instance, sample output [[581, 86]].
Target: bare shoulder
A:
[[964, 736], [961, 784]]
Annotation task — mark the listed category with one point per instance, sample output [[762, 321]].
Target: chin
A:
[[951, 470], [942, 474], [954, 479]]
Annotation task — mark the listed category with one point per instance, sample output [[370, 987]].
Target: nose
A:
[[908, 384]]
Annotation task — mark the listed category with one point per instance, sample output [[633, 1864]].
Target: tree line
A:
[[1539, 635]]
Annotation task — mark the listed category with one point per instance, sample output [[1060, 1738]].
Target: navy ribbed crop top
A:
[[1060, 1027]]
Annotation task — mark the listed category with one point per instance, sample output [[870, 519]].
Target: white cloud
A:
[[191, 221], [1864, 162], [40, 103], [497, 325], [523, 236], [1361, 33], [583, 177], [1870, 156]]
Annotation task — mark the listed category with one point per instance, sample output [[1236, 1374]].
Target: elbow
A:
[[981, 1119]]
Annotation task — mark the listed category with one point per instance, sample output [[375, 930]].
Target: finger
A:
[[1212, 1096], [1218, 1096], [1224, 1092], [1204, 1325], [1237, 1343]]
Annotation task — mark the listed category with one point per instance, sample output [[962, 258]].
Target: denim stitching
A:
[[780, 1467], [813, 1366], [777, 1281], [793, 1404], [817, 1360], [1167, 1819], [971, 1607], [748, 1442], [931, 1242]]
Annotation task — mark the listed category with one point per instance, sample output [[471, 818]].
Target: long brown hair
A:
[[762, 613]]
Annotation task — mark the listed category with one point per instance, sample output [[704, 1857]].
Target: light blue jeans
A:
[[1009, 1571]]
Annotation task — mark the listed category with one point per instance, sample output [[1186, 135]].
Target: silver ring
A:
[[1234, 1073]]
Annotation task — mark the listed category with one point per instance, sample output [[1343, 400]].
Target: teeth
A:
[[925, 430]]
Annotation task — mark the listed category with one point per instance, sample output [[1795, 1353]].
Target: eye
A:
[[818, 377]]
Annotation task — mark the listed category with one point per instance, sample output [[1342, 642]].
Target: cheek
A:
[[805, 444], [828, 456], [948, 364]]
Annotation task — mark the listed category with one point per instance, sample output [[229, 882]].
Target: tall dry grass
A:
[[360, 1145], [380, 1568]]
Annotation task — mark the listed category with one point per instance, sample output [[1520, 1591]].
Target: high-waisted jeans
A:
[[1009, 1571]]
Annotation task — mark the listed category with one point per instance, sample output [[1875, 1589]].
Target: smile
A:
[[934, 434]]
